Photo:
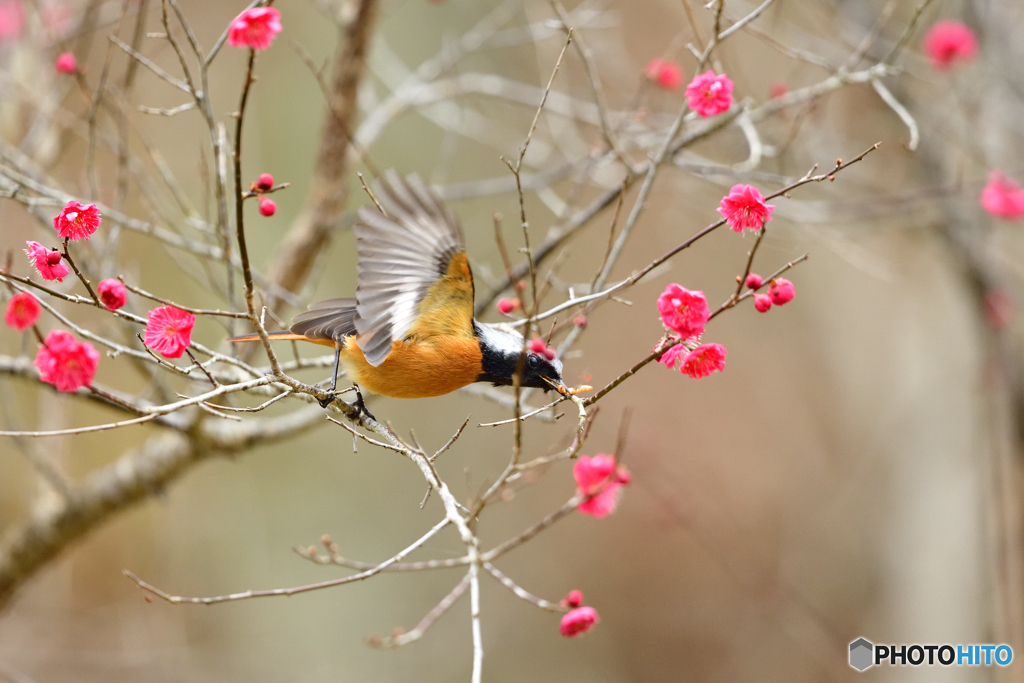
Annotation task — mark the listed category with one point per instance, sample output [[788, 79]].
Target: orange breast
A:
[[416, 368]]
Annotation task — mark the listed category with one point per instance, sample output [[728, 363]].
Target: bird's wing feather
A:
[[411, 264], [332, 319]]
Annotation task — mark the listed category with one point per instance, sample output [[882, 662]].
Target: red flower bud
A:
[[572, 600], [66, 64], [112, 293], [578, 621], [762, 302], [267, 206], [754, 281], [781, 291], [506, 306], [265, 181]]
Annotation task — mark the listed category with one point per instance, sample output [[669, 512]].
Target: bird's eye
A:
[[532, 361]]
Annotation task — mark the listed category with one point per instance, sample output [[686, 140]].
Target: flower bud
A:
[[66, 64], [578, 621], [781, 291], [113, 293], [573, 600]]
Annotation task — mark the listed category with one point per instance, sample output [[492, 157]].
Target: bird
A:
[[410, 330]]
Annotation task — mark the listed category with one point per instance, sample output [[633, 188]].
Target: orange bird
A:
[[410, 331]]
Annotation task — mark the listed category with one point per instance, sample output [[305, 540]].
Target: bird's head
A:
[[500, 350]]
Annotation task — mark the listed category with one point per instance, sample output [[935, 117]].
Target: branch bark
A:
[[29, 545]]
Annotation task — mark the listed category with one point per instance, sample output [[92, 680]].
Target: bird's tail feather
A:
[[281, 335]]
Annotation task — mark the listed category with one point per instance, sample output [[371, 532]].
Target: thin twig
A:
[[521, 592], [178, 599], [907, 32], [427, 621], [525, 416], [82, 278], [189, 309], [450, 441], [146, 62]]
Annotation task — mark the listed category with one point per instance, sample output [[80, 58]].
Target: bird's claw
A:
[[360, 404]]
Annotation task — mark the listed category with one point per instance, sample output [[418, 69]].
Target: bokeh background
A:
[[853, 472]]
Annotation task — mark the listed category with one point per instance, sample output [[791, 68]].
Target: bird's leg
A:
[[360, 404], [331, 393]]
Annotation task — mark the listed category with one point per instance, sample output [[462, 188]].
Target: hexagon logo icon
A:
[[861, 654]]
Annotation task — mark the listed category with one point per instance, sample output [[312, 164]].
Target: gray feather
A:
[[332, 319], [401, 255]]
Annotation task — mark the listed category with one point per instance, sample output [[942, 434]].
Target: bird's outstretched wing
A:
[[414, 279], [332, 319]]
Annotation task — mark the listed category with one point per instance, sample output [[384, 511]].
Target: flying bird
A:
[[409, 332]]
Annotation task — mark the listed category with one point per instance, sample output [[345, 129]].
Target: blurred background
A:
[[855, 471]]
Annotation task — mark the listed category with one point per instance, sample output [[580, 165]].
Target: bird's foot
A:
[[360, 404], [331, 395]]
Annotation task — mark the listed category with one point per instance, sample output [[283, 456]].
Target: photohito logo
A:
[[864, 654]]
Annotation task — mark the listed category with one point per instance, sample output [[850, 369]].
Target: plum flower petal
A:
[[1003, 197], [66, 363], [169, 331], [781, 291], [948, 41], [77, 221], [745, 207], [600, 479], [704, 360], [22, 311], [112, 293], [666, 74], [48, 262], [577, 621], [255, 28], [683, 311], [671, 358], [709, 95]]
